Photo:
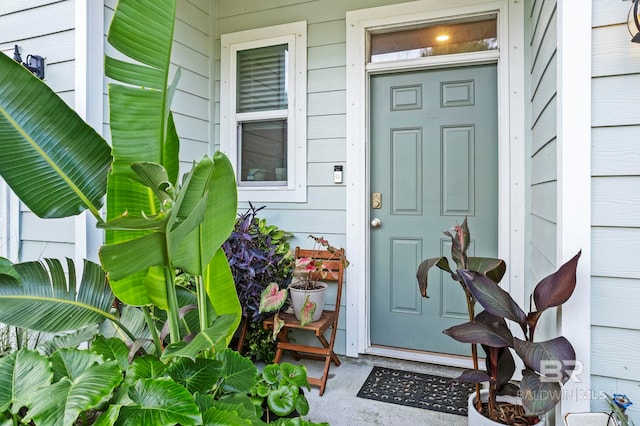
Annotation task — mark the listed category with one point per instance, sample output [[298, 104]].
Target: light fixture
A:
[[636, 20], [443, 37], [34, 63]]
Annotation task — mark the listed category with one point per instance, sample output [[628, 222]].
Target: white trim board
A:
[[510, 62], [574, 184]]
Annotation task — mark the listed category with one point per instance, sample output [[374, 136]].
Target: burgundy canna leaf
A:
[[556, 289], [492, 297], [494, 335], [423, 271], [492, 268], [473, 376], [539, 395], [554, 358]]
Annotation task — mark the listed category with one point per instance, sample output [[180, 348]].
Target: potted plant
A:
[[306, 284], [547, 365]]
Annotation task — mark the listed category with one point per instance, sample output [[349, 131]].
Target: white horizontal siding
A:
[[616, 100], [616, 201], [608, 309], [615, 151], [45, 28], [611, 52], [615, 252], [615, 352]]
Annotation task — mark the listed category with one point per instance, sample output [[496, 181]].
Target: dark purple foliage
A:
[[254, 258]]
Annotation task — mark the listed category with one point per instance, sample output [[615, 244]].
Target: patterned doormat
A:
[[417, 390]]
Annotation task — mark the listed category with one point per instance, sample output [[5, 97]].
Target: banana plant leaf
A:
[[221, 289], [142, 126], [219, 219], [54, 161], [214, 338], [44, 300]]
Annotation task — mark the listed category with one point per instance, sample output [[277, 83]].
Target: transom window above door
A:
[[434, 39]]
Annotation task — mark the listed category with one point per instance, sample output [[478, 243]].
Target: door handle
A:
[[376, 223]]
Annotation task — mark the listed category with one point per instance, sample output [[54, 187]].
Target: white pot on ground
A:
[[477, 419], [298, 296]]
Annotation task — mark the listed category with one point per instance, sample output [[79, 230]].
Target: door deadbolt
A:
[[376, 200]]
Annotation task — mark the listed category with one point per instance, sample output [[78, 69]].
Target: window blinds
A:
[[262, 79]]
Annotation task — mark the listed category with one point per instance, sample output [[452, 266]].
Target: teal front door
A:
[[434, 160]]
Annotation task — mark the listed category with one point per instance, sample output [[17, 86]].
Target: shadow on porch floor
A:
[[339, 406]]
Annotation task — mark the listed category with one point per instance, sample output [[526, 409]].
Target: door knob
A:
[[375, 223]]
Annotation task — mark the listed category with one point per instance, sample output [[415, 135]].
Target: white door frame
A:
[[511, 147]]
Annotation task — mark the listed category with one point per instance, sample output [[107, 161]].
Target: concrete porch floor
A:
[[339, 406]]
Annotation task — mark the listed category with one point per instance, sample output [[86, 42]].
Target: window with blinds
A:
[[261, 103], [262, 79], [263, 111]]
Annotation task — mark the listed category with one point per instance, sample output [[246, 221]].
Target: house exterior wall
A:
[[29, 24], [542, 68], [324, 212], [615, 324]]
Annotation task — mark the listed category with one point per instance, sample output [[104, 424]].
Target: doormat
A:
[[419, 390]]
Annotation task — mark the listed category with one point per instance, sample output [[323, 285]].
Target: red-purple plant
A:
[[548, 364], [258, 256]]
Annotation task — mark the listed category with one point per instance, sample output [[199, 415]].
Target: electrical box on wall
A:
[[337, 174]]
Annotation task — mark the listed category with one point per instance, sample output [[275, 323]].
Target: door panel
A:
[[434, 151]]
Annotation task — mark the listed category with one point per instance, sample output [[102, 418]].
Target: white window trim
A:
[[295, 34]]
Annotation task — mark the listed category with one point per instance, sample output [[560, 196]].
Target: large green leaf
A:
[[221, 289], [55, 162], [62, 402], [145, 367], [22, 373], [197, 376], [142, 127], [159, 402], [72, 363], [239, 374], [214, 338], [219, 219], [217, 417], [111, 349], [43, 300]]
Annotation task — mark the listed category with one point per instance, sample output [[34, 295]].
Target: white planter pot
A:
[[298, 297], [477, 419]]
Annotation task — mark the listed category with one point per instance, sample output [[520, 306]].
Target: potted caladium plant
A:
[[547, 364], [307, 291]]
